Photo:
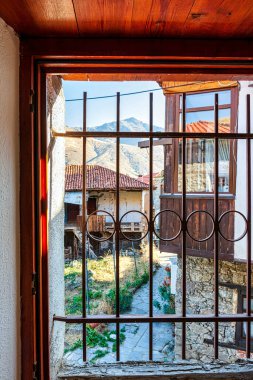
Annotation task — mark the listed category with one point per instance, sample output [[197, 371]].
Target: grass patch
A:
[[102, 283], [102, 298]]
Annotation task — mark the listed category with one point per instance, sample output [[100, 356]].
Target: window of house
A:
[[200, 152], [71, 212], [114, 255]]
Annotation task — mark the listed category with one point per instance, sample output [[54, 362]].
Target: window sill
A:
[[183, 370], [197, 195]]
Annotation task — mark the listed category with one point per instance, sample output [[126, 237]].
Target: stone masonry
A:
[[200, 300]]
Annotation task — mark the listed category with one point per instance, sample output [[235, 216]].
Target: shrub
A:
[[74, 304], [168, 300], [138, 281], [125, 298], [95, 338], [95, 294]]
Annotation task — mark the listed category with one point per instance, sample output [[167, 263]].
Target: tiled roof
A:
[[206, 127], [145, 178], [99, 178]]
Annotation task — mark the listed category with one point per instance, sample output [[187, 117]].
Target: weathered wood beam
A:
[[145, 48], [145, 144]]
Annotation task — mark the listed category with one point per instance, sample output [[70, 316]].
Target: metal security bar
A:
[[117, 226], [182, 318], [216, 228], [151, 231], [183, 225], [248, 168], [84, 261]]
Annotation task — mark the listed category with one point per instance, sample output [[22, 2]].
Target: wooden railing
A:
[[97, 223]]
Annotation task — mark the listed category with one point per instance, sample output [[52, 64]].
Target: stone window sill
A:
[[183, 370]]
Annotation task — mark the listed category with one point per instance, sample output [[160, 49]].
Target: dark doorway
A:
[[91, 205]]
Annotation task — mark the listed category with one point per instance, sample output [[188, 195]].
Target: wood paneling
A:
[[130, 18], [203, 227], [196, 87], [40, 17]]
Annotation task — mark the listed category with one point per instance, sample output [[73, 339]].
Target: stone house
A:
[[101, 211]]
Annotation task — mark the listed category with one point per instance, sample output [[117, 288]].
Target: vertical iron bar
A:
[[248, 166], [183, 227], [117, 226], [84, 262], [216, 231], [151, 226]]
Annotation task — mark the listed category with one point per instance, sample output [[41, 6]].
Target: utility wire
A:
[[137, 92]]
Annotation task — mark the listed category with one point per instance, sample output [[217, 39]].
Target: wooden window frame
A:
[[139, 59], [240, 340], [233, 145]]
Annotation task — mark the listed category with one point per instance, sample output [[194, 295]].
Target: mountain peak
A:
[[130, 124], [132, 119]]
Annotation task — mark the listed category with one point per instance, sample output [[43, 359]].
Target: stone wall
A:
[[200, 300], [56, 180]]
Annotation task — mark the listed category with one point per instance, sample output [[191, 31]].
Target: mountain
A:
[[127, 125], [130, 125], [133, 160]]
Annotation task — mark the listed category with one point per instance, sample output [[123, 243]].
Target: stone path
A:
[[136, 343]]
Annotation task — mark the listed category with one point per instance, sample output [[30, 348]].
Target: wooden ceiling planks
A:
[[40, 17], [130, 18], [220, 18], [106, 17]]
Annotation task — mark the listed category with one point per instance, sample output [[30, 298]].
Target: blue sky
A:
[[104, 110], [100, 111]]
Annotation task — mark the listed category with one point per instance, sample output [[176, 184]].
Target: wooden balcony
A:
[[169, 226], [97, 223], [128, 227]]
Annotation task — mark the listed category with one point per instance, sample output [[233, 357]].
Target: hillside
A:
[[130, 125], [133, 160]]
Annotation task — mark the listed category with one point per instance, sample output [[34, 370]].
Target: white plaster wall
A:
[[241, 182], [9, 205], [129, 200], [56, 174]]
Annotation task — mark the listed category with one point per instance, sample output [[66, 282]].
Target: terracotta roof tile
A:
[[202, 126], [99, 178], [145, 178]]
